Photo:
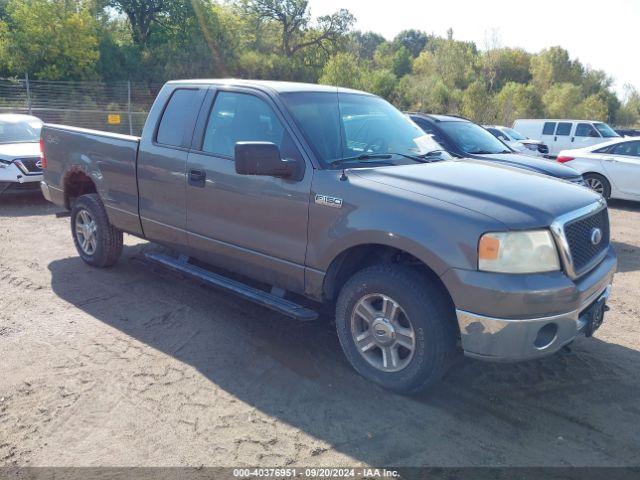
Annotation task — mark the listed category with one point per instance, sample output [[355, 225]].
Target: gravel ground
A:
[[133, 366]]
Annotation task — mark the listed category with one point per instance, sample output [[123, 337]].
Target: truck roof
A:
[[274, 86]]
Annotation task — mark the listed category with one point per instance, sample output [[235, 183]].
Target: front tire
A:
[[397, 327], [598, 184], [97, 241]]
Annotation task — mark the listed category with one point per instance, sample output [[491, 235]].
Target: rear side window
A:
[[563, 129], [177, 117], [626, 148], [549, 128], [586, 130]]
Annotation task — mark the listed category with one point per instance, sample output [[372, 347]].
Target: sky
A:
[[603, 34]]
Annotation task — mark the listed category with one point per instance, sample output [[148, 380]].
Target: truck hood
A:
[[517, 198], [532, 164], [11, 151]]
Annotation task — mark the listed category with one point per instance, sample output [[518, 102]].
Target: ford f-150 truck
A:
[[291, 194]]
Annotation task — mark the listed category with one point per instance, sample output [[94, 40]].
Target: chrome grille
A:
[[578, 234], [30, 165], [572, 232]]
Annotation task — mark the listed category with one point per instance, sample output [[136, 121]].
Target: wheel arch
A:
[[77, 182], [357, 257]]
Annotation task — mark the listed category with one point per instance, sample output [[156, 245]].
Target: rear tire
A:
[[98, 242], [598, 184], [418, 334]]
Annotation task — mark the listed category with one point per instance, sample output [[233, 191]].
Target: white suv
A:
[[20, 161]]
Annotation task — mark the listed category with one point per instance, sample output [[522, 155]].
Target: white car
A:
[[611, 169], [20, 160], [518, 142], [562, 134]]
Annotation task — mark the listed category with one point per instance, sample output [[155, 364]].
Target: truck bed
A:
[[108, 159]]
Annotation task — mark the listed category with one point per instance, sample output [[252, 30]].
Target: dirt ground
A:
[[132, 366]]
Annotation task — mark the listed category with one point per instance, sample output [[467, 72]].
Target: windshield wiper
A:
[[361, 157], [483, 152]]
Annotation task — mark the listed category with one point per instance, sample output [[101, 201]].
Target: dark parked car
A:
[[334, 195], [629, 132], [463, 138]]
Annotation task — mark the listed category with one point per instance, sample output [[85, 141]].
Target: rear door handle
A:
[[197, 178]]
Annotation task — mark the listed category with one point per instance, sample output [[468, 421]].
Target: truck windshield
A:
[[342, 126], [19, 131], [472, 138], [605, 130]]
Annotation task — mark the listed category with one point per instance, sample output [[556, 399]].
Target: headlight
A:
[[532, 251], [531, 146]]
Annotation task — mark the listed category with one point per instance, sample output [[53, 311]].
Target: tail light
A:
[[43, 159], [564, 159]]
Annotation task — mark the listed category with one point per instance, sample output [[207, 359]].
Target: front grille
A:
[[30, 165], [542, 148], [579, 238]]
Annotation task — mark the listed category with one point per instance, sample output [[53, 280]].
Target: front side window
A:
[[241, 117], [549, 128], [178, 116], [564, 129], [346, 125], [586, 130], [605, 130], [22, 131]]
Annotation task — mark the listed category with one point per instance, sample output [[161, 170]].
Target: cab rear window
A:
[[178, 116]]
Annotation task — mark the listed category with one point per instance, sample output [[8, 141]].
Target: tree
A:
[[594, 108], [142, 14], [552, 66], [413, 40], [477, 103], [364, 44], [342, 70], [294, 18], [52, 39], [563, 100], [502, 65], [517, 100]]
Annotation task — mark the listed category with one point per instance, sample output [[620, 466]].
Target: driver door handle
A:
[[197, 178]]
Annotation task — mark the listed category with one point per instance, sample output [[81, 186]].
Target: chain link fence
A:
[[119, 107]]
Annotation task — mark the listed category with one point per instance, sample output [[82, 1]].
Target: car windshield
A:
[[350, 126], [605, 130], [472, 138], [514, 134], [25, 131]]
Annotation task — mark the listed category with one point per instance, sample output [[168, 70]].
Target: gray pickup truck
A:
[[294, 195]]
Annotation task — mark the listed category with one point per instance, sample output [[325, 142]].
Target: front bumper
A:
[[14, 180], [505, 324]]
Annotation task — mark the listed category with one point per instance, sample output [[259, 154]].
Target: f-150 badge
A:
[[328, 201]]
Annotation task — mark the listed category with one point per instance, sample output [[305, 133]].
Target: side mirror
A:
[[263, 158]]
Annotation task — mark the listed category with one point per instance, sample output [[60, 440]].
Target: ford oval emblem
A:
[[39, 164], [596, 236]]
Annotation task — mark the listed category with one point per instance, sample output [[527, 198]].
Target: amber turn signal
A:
[[488, 248]]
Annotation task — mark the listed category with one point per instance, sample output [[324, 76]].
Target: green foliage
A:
[[413, 40], [52, 39], [517, 100], [158, 40], [343, 70]]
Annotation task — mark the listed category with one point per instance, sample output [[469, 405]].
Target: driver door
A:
[[252, 225]]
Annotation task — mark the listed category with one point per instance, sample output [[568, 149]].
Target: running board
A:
[[258, 296]]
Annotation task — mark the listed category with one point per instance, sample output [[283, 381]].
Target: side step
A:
[[258, 296]]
